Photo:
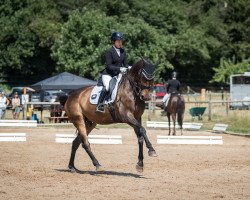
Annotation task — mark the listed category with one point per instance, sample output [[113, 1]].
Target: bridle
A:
[[137, 86]]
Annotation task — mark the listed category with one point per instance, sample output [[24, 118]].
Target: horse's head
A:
[[141, 77]]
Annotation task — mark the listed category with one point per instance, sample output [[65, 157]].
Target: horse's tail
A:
[[180, 111], [63, 99], [179, 118]]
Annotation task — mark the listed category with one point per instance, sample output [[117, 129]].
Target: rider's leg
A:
[[105, 79], [164, 100]]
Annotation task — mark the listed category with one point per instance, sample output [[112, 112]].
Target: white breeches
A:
[[166, 97], [106, 80]]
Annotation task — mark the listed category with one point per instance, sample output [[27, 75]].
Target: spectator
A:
[[16, 106], [4, 102]]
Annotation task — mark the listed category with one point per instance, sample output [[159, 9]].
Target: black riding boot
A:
[[100, 105]]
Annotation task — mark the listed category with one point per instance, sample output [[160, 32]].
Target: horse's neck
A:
[[126, 91]]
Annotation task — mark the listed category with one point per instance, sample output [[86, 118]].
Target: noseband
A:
[[136, 85]]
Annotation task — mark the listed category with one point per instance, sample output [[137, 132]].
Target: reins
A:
[[135, 80], [137, 88]]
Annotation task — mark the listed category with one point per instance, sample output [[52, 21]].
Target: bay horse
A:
[[175, 107], [129, 105]]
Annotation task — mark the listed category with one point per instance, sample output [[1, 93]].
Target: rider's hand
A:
[[129, 67], [123, 69]]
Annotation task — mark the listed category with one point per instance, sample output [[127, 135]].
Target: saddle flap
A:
[[113, 88]]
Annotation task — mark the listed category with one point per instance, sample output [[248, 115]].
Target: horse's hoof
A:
[[139, 168], [152, 153], [98, 168], [72, 169]]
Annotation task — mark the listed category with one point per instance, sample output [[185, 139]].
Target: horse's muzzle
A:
[[146, 97]]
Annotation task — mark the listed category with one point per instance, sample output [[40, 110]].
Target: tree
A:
[[227, 68], [85, 38], [28, 29]]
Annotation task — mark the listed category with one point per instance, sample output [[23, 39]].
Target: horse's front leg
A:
[[139, 165], [142, 132]]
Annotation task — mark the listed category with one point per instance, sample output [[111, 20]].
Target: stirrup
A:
[[162, 105], [100, 108]]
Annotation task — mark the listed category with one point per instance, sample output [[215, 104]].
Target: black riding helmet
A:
[[116, 36], [174, 75]]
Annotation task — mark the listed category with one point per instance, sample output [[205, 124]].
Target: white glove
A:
[[129, 67], [123, 69]]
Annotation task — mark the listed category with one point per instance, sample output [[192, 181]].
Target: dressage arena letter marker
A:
[[220, 128], [93, 139], [162, 139], [12, 137]]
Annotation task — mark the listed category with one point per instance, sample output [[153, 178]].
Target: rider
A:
[[116, 62], [173, 87]]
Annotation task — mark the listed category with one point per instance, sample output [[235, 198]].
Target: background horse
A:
[[175, 107], [129, 105]]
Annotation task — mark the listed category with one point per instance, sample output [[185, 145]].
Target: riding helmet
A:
[[116, 36], [174, 75]]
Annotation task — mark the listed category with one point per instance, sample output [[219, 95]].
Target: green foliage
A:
[[27, 28], [85, 39], [82, 42], [43, 37], [227, 68], [6, 88]]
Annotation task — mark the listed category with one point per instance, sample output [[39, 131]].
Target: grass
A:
[[238, 120]]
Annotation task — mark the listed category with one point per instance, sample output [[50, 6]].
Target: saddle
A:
[[171, 97], [113, 88]]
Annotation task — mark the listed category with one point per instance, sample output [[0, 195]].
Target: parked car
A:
[[52, 95], [36, 97], [160, 90]]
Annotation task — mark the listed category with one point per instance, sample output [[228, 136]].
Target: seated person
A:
[[173, 87]]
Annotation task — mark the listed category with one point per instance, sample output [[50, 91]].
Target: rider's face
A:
[[118, 44]]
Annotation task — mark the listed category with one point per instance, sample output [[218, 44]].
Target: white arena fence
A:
[[12, 137], [195, 140], [93, 139], [18, 123], [164, 125]]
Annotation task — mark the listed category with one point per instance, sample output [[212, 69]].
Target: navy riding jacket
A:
[[114, 62], [173, 86]]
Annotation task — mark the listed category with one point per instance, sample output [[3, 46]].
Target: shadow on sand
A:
[[103, 172]]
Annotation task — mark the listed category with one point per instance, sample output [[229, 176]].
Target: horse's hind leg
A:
[[84, 128], [169, 129], [75, 144], [174, 119], [83, 132]]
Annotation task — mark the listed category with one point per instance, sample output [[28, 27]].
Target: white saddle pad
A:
[[95, 93]]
